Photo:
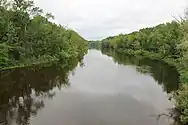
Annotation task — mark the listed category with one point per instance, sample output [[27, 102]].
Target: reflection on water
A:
[[98, 92], [164, 74], [32, 85]]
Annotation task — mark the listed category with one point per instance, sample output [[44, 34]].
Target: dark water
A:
[[101, 90]]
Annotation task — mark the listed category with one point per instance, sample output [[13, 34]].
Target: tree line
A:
[[163, 39], [28, 36], [94, 45]]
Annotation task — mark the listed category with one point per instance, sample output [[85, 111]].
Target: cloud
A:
[[97, 19]]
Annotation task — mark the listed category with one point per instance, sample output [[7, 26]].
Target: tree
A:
[[27, 36]]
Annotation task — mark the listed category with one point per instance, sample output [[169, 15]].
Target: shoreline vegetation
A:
[[167, 42], [26, 65], [29, 37]]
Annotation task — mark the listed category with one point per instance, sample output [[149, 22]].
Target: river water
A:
[[106, 88]]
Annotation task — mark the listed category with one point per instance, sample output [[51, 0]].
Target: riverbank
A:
[[44, 63], [156, 56], [180, 97], [151, 55]]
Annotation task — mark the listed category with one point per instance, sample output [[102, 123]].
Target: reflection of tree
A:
[[21, 115], [82, 64], [164, 74], [33, 84]]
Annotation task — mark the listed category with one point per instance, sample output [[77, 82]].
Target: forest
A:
[[28, 36], [164, 40], [167, 42]]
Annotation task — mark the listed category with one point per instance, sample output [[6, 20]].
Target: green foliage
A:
[[163, 39], [181, 102], [181, 96], [4, 55], [27, 37]]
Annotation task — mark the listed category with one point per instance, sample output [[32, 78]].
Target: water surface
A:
[[101, 90]]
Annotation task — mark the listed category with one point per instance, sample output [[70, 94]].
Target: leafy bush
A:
[[4, 60], [181, 103]]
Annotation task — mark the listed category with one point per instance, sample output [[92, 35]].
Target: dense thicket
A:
[[167, 42], [163, 39], [27, 36]]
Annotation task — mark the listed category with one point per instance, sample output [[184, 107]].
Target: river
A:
[[106, 88]]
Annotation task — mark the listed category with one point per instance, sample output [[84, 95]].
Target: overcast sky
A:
[[97, 19]]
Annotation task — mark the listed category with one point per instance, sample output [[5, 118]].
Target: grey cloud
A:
[[97, 19]]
